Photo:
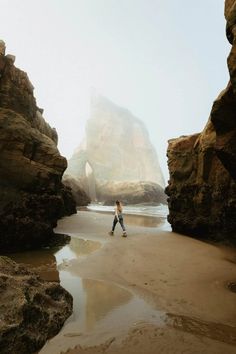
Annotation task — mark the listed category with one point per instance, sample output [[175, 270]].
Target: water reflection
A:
[[47, 261], [142, 220], [42, 261], [93, 300], [83, 247], [102, 298], [100, 310]]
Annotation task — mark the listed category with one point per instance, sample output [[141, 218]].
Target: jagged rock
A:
[[202, 188], [80, 196], [31, 309], [32, 196], [116, 149]]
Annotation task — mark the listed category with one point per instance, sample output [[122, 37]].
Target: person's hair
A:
[[119, 205]]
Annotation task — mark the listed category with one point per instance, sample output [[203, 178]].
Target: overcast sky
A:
[[163, 60]]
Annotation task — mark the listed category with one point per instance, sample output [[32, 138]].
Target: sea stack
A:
[[202, 188], [32, 196], [116, 158]]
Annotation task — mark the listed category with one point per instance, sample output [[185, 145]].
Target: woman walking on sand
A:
[[118, 218]]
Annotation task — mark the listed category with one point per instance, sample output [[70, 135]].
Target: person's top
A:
[[118, 213]]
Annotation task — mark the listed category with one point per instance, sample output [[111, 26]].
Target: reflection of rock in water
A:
[[101, 299], [83, 247], [43, 262], [147, 221]]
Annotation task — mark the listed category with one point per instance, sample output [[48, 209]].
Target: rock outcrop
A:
[[130, 192], [31, 309], [116, 150], [80, 196], [32, 196], [202, 186]]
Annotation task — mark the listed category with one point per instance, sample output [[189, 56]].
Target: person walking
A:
[[118, 218]]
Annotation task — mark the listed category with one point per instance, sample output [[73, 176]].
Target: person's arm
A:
[[116, 214]]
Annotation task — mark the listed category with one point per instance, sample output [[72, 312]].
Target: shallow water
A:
[[47, 261], [102, 309], [99, 308]]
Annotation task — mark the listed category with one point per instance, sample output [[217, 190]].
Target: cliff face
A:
[[202, 188], [116, 148], [32, 196]]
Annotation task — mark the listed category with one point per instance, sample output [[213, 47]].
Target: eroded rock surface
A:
[[32, 196], [31, 310], [80, 196], [116, 150], [202, 188]]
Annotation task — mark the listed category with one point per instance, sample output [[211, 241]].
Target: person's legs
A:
[[115, 221], [121, 221]]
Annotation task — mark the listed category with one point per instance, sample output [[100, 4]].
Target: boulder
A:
[[130, 192], [31, 309]]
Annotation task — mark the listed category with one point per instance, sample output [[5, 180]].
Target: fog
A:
[[165, 61]]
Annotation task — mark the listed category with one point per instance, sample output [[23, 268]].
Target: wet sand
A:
[[152, 292]]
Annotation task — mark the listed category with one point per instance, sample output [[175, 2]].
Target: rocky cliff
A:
[[202, 188], [116, 149], [32, 196]]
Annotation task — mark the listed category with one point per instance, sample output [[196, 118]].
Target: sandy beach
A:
[[152, 292]]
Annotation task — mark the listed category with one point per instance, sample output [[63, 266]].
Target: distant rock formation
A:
[[32, 310], [32, 196], [202, 188], [116, 149], [130, 192]]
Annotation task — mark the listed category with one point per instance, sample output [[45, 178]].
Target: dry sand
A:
[[183, 278]]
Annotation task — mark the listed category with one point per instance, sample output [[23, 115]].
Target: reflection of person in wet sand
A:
[[118, 218]]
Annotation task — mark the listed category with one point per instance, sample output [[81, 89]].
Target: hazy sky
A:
[[163, 60]]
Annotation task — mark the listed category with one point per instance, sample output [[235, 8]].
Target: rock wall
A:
[[31, 309], [116, 149], [32, 196], [202, 188], [80, 196]]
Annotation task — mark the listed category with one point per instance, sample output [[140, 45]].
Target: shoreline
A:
[[184, 278]]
